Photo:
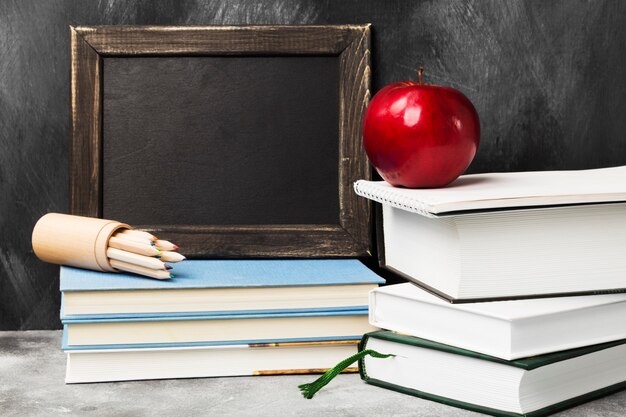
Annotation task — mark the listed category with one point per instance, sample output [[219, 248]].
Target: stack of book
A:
[[215, 318], [514, 305]]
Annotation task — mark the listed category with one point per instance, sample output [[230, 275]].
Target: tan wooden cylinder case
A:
[[74, 240]]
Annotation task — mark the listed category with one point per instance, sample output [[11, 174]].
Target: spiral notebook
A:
[[503, 191]]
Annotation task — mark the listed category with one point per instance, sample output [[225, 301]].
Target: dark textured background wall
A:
[[547, 78]]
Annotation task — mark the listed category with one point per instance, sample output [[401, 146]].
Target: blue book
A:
[[220, 287], [215, 330]]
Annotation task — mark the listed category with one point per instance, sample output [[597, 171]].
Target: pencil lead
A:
[[168, 266], [175, 247], [171, 275], [157, 256], [152, 243]]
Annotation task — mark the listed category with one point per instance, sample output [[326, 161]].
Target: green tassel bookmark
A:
[[309, 390]]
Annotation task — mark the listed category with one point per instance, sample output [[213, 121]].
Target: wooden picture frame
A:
[[350, 237]]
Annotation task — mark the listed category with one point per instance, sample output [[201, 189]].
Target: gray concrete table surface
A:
[[32, 370]]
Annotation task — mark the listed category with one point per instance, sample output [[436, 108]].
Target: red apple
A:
[[419, 135]]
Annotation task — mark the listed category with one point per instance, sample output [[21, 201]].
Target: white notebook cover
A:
[[503, 190]]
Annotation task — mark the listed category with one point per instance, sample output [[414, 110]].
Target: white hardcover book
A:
[[479, 240], [504, 329]]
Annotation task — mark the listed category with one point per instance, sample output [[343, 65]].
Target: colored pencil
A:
[[133, 246], [133, 258], [135, 269], [138, 234], [168, 256], [134, 238], [165, 245]]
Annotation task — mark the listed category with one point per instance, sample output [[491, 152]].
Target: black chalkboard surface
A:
[[221, 140], [235, 141]]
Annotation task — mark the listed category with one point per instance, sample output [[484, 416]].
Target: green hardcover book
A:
[[532, 387]]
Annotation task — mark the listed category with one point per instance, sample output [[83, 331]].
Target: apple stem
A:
[[420, 74]]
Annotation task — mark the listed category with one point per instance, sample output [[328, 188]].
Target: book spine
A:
[[361, 363]]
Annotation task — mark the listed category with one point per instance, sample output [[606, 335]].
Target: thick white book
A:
[[503, 329], [506, 236], [530, 387], [205, 361]]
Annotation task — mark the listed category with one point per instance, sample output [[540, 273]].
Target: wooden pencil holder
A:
[[75, 240]]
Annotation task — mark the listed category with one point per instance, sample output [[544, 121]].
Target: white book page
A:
[[504, 190]]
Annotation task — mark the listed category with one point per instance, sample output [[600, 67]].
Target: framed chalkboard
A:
[[238, 141]]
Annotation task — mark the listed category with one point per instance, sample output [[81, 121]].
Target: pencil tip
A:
[[171, 275], [168, 266], [175, 247], [157, 256], [152, 243]]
